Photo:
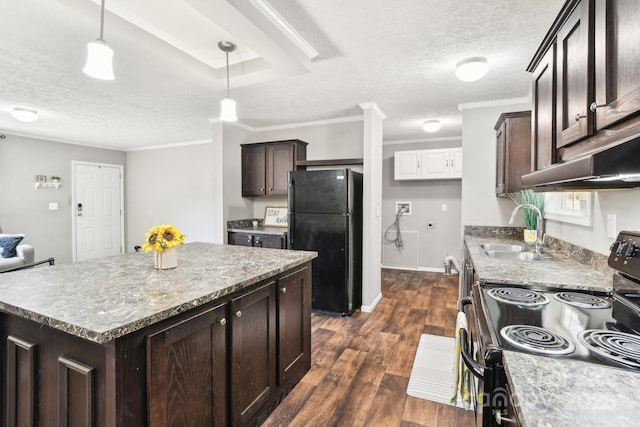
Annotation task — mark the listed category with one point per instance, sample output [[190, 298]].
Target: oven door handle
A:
[[475, 368], [465, 351]]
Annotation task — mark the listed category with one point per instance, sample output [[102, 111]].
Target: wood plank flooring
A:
[[361, 364]]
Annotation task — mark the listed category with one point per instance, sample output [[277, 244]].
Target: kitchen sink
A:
[[520, 256], [499, 247]]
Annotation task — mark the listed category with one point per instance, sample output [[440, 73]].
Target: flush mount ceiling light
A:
[[99, 55], [25, 114], [431, 126], [228, 105], [472, 69]]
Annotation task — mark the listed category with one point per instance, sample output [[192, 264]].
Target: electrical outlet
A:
[[430, 224], [403, 207]]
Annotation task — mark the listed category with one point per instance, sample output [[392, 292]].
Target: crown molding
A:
[[417, 141], [287, 29], [493, 103]]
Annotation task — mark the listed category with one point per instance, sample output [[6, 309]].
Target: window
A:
[[574, 208]]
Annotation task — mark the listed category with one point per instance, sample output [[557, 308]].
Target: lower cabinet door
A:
[[294, 326], [186, 372], [253, 352], [239, 239]]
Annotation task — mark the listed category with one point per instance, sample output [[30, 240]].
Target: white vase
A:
[[167, 259], [530, 236]]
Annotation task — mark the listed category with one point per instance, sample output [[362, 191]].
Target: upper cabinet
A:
[[440, 163], [617, 61], [265, 166], [586, 85], [513, 151]]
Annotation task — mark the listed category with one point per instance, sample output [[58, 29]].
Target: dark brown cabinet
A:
[[586, 88], [617, 61], [253, 352], [294, 320], [265, 166], [513, 151], [229, 362], [257, 239], [186, 372], [574, 62], [543, 116]]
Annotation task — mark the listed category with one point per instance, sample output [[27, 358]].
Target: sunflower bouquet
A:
[[162, 237]]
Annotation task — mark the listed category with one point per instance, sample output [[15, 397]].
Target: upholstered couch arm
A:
[[27, 253]]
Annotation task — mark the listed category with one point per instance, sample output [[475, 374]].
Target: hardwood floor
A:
[[361, 364]]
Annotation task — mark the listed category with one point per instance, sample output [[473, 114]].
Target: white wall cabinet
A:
[[439, 163]]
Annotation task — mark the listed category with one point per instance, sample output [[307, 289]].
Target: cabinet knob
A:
[[222, 321], [262, 189], [580, 116], [284, 290], [238, 313], [271, 189]]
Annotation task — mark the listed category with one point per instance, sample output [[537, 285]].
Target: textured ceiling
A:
[[170, 76]]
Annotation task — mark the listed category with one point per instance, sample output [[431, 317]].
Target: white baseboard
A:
[[369, 308], [431, 269]]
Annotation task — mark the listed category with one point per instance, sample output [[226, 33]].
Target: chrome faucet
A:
[[539, 233]]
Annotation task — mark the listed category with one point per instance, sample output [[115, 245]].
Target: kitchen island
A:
[[113, 342]]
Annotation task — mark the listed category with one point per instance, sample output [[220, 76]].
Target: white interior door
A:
[[98, 210]]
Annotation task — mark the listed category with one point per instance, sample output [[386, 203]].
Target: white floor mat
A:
[[431, 376]]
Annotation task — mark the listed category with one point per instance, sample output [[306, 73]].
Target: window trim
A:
[[553, 211]]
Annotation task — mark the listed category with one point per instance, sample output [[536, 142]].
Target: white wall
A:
[[424, 249], [480, 206], [234, 205], [26, 210], [624, 204], [171, 185]]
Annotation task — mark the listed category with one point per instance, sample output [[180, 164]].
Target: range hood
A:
[[615, 167]]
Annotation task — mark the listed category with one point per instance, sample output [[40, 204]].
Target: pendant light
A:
[[99, 56], [228, 105]]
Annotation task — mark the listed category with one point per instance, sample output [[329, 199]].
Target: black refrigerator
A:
[[325, 215]]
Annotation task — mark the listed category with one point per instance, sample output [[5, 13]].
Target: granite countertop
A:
[[563, 272], [101, 300], [565, 393], [550, 391]]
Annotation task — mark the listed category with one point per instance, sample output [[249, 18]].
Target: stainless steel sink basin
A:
[[499, 247], [520, 256]]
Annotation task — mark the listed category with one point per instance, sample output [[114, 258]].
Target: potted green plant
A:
[[55, 179], [529, 197]]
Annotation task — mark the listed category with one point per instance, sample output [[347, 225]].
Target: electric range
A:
[[593, 327]]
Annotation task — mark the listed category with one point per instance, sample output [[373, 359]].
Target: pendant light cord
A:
[[228, 91], [102, 21]]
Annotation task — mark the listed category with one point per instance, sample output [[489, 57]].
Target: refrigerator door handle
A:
[[291, 197], [291, 230]]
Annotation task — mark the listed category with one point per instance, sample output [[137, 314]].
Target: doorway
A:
[[97, 199]]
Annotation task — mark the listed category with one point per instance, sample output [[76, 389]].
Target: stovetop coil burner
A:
[[614, 346], [518, 296], [537, 340], [582, 300]]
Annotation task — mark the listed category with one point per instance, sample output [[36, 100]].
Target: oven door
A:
[[493, 407]]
